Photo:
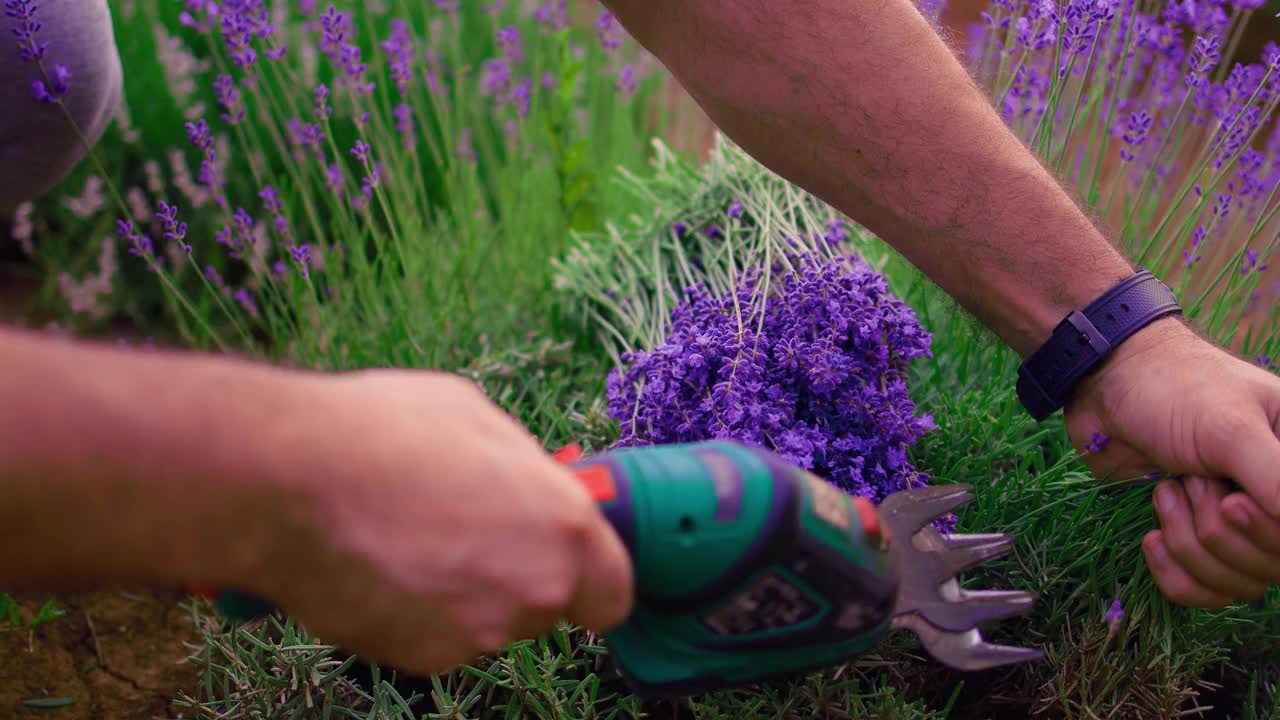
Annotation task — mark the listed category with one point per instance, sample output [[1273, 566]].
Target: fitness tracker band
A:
[[1079, 343]]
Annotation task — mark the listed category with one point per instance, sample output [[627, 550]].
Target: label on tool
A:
[[768, 603], [829, 502]]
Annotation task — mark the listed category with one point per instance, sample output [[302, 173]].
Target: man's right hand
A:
[[431, 527]]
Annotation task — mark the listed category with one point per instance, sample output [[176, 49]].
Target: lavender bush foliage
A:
[[746, 315], [322, 145], [1135, 106]]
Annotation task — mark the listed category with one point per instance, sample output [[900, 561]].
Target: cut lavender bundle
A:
[[740, 311]]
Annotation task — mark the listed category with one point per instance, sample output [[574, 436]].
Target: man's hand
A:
[[399, 514], [1167, 400], [433, 528]]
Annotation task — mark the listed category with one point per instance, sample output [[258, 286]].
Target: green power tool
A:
[[748, 568]]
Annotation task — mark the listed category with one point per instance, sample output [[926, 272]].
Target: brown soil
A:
[[120, 655]]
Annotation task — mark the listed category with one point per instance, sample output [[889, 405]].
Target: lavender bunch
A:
[[1134, 105], [818, 375], [741, 310]]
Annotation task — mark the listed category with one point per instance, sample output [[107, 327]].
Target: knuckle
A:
[[551, 594], [1213, 534], [1225, 429], [1182, 546]]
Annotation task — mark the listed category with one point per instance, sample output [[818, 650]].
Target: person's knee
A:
[[37, 145]]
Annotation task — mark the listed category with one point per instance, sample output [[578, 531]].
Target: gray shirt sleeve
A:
[[37, 148]]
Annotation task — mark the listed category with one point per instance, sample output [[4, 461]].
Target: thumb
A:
[[1248, 450], [605, 592]]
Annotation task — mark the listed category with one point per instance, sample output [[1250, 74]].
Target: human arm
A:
[[397, 513], [863, 105]]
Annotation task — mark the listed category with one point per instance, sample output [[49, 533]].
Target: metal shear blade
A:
[[931, 602]]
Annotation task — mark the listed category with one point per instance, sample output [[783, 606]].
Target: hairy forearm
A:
[[863, 104], [124, 466]]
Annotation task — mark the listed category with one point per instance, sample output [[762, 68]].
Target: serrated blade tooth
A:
[[973, 608], [965, 540], [907, 511], [958, 559], [964, 650]]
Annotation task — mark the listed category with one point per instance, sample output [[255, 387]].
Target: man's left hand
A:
[[1167, 400]]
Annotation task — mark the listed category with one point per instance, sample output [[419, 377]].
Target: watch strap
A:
[[1084, 338]]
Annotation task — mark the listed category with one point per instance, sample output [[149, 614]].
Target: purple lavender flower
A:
[[400, 54], [270, 200], [198, 134], [308, 135], [58, 86], [246, 300], [1113, 617], [361, 151], [609, 31], [301, 255], [1097, 442], [24, 11], [242, 20], [552, 16], [404, 124], [229, 99], [627, 80], [1250, 262], [510, 45], [173, 230], [237, 237], [1205, 56], [1271, 55], [818, 376], [139, 244], [334, 26], [1266, 362], [1135, 133], [321, 95], [521, 96], [735, 208], [495, 77]]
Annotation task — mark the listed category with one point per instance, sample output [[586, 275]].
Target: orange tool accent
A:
[[599, 482], [569, 453], [871, 519]]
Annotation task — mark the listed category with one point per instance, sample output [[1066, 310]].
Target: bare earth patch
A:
[[119, 654]]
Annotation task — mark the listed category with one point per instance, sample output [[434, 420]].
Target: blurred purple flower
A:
[[405, 125], [1250, 262], [400, 54], [1113, 617], [229, 99], [509, 43], [552, 16], [627, 84], [609, 31]]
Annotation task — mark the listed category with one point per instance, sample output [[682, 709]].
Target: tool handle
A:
[[242, 607]]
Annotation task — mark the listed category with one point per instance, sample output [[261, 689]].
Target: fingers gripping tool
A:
[[748, 568]]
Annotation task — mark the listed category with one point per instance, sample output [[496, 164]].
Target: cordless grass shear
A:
[[748, 568]]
